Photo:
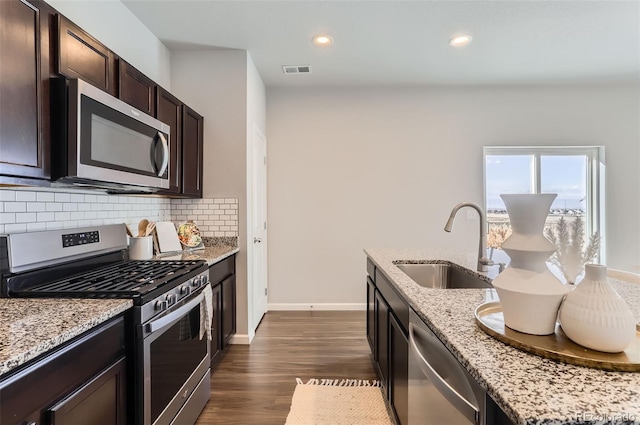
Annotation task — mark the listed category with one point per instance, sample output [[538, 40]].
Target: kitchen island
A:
[[528, 388]]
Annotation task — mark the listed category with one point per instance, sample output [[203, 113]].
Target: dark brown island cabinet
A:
[[80, 382], [38, 43], [223, 283]]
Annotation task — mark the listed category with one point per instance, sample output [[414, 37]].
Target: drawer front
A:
[[371, 269], [221, 270], [396, 302]]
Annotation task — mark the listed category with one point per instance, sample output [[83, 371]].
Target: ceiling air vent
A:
[[296, 69]]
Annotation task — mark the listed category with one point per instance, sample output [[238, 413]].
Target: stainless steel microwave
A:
[[100, 141]]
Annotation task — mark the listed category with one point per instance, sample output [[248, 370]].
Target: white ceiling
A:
[[397, 42]]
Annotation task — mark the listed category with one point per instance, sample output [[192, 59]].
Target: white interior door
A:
[[259, 226]]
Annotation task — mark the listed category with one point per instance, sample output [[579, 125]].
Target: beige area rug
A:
[[338, 402]]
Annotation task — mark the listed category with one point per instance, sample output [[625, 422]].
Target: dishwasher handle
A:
[[464, 406]]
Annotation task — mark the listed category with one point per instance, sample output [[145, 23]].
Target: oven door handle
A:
[[174, 315]]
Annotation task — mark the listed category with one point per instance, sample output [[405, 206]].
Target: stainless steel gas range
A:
[[169, 358]]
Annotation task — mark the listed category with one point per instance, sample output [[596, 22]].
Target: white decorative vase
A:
[[595, 316], [529, 293]]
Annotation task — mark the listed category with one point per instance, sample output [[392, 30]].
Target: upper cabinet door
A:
[[192, 149], [84, 57], [137, 89], [169, 111], [24, 94]]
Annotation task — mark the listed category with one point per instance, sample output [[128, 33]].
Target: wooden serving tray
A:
[[557, 346]]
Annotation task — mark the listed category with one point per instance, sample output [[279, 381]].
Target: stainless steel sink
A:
[[442, 276]]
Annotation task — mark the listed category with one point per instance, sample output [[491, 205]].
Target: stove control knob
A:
[[205, 279], [197, 282], [185, 290], [171, 299], [160, 305]]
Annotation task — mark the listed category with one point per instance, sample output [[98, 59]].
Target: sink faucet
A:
[[483, 261]]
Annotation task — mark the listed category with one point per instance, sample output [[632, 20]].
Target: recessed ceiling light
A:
[[460, 40], [322, 40]]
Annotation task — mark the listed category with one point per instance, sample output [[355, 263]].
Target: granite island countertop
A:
[[30, 327], [529, 388]]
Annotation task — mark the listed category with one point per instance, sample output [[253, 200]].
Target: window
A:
[[576, 174]]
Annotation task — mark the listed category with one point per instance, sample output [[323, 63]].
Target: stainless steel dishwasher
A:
[[441, 391]]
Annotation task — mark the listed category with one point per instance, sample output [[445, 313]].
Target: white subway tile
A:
[[218, 200], [102, 198], [90, 215], [75, 197], [45, 197], [54, 225], [2, 232], [53, 206], [25, 217], [45, 216], [7, 195], [181, 218], [90, 198], [218, 222], [62, 216], [230, 201], [25, 196], [15, 228], [225, 207], [77, 215], [16, 207], [208, 201], [96, 207], [97, 222], [218, 234], [102, 214], [69, 224], [36, 206], [7, 218], [230, 234], [84, 207], [226, 217], [233, 228], [36, 227], [208, 223], [225, 228], [69, 206], [230, 222], [84, 223], [62, 197]]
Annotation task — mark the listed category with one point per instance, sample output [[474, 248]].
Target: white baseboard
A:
[[241, 339], [318, 307]]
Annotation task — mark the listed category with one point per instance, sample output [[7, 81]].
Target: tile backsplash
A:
[[30, 210]]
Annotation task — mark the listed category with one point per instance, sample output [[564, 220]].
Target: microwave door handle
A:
[[165, 154]]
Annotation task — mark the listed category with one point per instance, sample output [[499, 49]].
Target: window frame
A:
[[595, 197]]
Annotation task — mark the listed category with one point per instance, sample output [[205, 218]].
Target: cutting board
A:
[[167, 237]]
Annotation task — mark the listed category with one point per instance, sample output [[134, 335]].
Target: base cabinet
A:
[[83, 381], [223, 283]]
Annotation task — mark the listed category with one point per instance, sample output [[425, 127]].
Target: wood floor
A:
[[254, 384]]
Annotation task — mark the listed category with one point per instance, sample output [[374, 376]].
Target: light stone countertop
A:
[[529, 388], [210, 254], [30, 327]]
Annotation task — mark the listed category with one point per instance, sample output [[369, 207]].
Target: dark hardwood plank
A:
[[254, 384]]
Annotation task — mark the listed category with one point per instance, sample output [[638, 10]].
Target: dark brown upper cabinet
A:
[[137, 89], [192, 150], [169, 111], [24, 91], [82, 56]]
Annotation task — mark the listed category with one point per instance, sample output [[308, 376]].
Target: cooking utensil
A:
[[142, 227], [150, 228]]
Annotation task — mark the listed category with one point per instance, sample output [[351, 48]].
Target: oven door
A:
[[115, 142], [176, 365]]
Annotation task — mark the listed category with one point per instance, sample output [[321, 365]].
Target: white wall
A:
[[115, 26], [351, 168], [224, 87]]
